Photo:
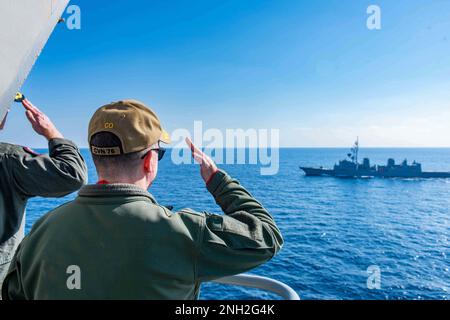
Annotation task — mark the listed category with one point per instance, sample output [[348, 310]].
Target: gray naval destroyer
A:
[[351, 168]]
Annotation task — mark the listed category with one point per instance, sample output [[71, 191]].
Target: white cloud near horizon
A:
[[422, 130]]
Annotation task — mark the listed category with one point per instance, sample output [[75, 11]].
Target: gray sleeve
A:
[[57, 174], [12, 288]]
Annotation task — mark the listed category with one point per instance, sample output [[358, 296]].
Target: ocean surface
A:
[[334, 229]]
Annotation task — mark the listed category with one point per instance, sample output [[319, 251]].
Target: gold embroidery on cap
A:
[[110, 151], [109, 125]]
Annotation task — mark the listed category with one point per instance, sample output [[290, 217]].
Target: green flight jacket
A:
[[116, 242], [25, 174]]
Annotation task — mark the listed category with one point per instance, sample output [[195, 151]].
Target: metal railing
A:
[[263, 283]]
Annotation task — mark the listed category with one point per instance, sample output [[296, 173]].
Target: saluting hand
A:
[[207, 166], [40, 122]]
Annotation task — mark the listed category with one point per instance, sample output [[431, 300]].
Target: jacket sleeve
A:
[[12, 288], [245, 237], [57, 174]]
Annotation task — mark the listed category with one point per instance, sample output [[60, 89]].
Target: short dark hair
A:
[[106, 139]]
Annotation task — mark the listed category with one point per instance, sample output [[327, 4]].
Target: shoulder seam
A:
[[48, 214], [189, 211], [201, 233]]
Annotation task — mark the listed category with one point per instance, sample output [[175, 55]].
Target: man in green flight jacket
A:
[[114, 241]]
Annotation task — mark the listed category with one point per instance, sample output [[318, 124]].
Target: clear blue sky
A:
[[309, 68]]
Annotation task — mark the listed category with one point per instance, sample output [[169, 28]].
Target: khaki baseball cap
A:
[[135, 125]]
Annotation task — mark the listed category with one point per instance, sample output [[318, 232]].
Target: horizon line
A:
[[306, 147]]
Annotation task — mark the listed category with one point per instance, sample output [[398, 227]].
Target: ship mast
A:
[[355, 149], [354, 152]]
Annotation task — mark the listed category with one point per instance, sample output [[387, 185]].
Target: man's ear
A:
[[147, 162]]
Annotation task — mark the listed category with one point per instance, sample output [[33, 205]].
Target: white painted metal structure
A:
[[25, 26], [263, 283]]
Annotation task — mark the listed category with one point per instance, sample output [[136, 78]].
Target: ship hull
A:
[[435, 175], [318, 172]]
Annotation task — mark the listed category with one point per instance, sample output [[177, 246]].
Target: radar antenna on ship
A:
[[354, 152]]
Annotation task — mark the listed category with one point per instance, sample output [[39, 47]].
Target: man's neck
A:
[[141, 183]]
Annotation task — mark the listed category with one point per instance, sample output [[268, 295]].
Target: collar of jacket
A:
[[114, 190]]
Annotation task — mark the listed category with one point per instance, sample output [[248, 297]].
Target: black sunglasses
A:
[[161, 152]]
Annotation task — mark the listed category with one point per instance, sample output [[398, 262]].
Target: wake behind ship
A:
[[351, 168]]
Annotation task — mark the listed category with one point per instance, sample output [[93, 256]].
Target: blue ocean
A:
[[334, 229]]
